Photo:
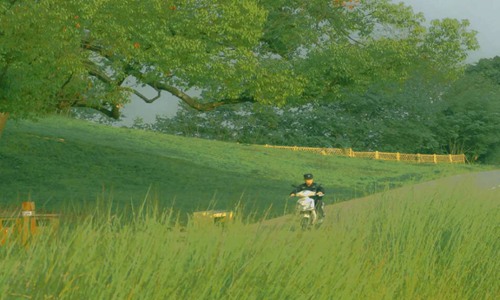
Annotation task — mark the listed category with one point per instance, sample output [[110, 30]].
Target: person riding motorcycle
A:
[[310, 185]]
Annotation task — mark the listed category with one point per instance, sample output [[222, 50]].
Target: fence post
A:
[[398, 156], [376, 155], [450, 158], [435, 159], [351, 153], [418, 158], [29, 221]]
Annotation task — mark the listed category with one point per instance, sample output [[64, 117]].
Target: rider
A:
[[310, 185]]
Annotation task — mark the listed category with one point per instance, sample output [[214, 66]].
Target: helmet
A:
[[308, 176]]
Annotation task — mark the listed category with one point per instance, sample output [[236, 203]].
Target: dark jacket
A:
[[313, 187]]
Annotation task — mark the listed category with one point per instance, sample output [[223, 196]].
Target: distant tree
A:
[[470, 121], [488, 68]]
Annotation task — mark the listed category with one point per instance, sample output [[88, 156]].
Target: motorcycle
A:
[[305, 209]]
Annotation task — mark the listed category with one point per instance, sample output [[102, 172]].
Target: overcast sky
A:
[[482, 14]]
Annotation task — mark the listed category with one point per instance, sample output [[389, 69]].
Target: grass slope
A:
[[434, 240], [60, 162]]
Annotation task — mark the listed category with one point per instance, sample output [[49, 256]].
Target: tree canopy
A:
[[424, 115], [55, 55]]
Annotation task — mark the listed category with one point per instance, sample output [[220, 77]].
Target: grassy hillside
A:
[[62, 163], [434, 240]]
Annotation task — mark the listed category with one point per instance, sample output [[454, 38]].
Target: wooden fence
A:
[[25, 225], [415, 158]]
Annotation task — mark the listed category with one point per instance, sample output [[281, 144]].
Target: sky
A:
[[482, 14]]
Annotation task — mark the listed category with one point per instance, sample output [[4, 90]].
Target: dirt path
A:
[[489, 180]]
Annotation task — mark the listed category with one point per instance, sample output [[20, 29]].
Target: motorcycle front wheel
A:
[[304, 223]]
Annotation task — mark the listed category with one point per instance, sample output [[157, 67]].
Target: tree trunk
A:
[[3, 120]]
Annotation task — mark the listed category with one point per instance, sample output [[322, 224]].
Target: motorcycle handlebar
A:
[[309, 195]]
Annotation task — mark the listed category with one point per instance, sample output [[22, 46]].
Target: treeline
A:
[[422, 115]]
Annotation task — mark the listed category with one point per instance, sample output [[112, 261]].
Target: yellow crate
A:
[[212, 216]]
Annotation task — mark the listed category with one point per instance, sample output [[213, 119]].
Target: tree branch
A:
[[67, 81], [193, 102], [146, 99], [113, 113], [4, 71], [94, 70]]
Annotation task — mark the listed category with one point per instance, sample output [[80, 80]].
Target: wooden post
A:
[[435, 159], [418, 157], [27, 224], [28, 220], [376, 155], [351, 153], [3, 121], [451, 158], [4, 232], [398, 156]]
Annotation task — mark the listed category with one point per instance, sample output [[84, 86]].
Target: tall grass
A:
[[413, 244]]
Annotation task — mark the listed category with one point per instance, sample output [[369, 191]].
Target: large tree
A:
[[55, 55]]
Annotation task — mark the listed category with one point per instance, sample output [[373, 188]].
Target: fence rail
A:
[[415, 158]]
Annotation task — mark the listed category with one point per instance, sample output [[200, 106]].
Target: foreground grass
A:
[[435, 244], [59, 163]]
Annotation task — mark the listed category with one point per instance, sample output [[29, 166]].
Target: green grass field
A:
[[64, 164], [122, 191]]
